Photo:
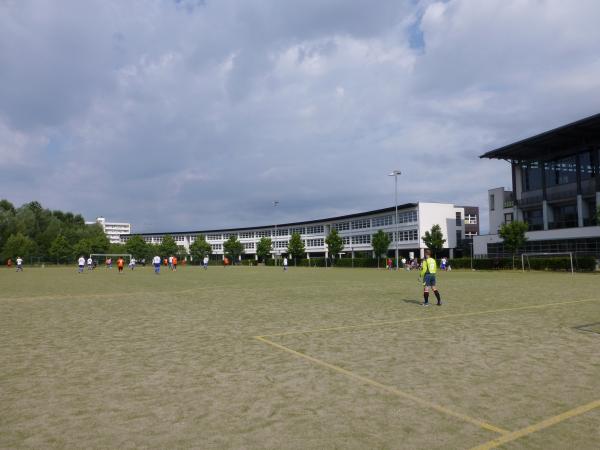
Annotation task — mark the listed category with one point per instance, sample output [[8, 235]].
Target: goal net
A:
[[100, 258], [559, 259]]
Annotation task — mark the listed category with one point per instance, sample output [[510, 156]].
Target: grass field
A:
[[311, 358]]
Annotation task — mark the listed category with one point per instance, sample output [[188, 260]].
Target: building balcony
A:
[[556, 225]]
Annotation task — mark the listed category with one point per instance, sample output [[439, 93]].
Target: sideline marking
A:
[[417, 319], [538, 426], [384, 387]]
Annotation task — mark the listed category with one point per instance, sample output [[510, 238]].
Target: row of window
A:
[[559, 171]]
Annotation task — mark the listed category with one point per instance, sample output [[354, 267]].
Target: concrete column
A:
[[579, 210], [545, 214], [451, 253], [421, 253]]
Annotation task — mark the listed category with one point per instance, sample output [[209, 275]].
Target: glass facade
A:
[[534, 219], [531, 176], [561, 171]]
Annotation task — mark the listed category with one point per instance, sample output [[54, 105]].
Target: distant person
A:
[[109, 263], [156, 264], [19, 264], [132, 263], [403, 261], [81, 264], [443, 263], [285, 263], [166, 262], [428, 272], [90, 264], [205, 262], [174, 264], [171, 262], [225, 262], [120, 264], [143, 262]]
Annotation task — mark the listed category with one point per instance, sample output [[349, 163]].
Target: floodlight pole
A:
[[275, 204], [471, 253], [395, 174]]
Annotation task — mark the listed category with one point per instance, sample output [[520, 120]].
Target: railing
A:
[[509, 203], [530, 200], [562, 224], [561, 194]]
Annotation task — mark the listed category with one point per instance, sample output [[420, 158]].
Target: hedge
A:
[[581, 263]]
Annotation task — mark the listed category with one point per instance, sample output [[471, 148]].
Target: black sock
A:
[[437, 295], [426, 297]]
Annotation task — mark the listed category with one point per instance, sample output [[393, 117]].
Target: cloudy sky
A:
[[191, 114]]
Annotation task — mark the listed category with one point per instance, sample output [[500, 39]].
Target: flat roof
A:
[[289, 224], [561, 140]]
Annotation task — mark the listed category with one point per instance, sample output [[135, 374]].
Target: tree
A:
[[513, 236], [335, 243], [84, 247], [60, 250], [263, 248], [233, 248], [18, 245], [380, 242], [434, 239], [137, 247], [168, 247], [296, 246], [199, 249]]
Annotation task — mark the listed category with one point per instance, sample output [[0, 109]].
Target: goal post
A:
[[102, 256], [525, 258]]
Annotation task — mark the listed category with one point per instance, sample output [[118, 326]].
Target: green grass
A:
[[102, 360]]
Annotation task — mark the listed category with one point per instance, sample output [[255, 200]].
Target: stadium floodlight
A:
[[395, 174]]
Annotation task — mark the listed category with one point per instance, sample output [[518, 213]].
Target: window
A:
[[458, 238], [470, 219], [458, 219], [147, 239], [282, 231], [383, 221], [531, 176], [261, 234], [346, 240], [217, 247], [508, 217], [281, 244], [407, 217], [534, 218], [390, 236], [314, 230], [492, 202], [408, 235], [213, 237], [341, 226], [320, 242], [361, 239], [299, 230], [179, 238], [586, 165], [361, 224], [247, 235], [470, 235], [228, 235], [561, 171], [248, 245]]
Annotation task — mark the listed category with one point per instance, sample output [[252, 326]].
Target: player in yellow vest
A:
[[428, 275]]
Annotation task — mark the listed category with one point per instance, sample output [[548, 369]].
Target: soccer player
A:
[[428, 275], [90, 264], [132, 263], [19, 264], [81, 263], [171, 262], [156, 263], [285, 263], [120, 264], [205, 262], [174, 263]]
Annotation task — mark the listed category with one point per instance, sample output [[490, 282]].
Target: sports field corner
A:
[[252, 357]]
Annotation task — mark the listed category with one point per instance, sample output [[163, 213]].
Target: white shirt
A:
[[89, 261], [206, 260], [170, 259], [82, 261], [156, 260], [132, 262], [19, 261], [285, 261]]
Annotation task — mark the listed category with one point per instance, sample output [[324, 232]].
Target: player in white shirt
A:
[[285, 263], [205, 262], [156, 264], [170, 262], [81, 263], [90, 264], [19, 264], [132, 262]]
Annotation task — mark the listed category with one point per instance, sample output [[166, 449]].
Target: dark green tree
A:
[[513, 236], [168, 247], [199, 249], [84, 247], [380, 243], [137, 247], [296, 247], [60, 249], [18, 245], [263, 249], [434, 239], [233, 248], [335, 244]]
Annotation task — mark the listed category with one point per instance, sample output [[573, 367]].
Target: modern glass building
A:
[[555, 189]]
